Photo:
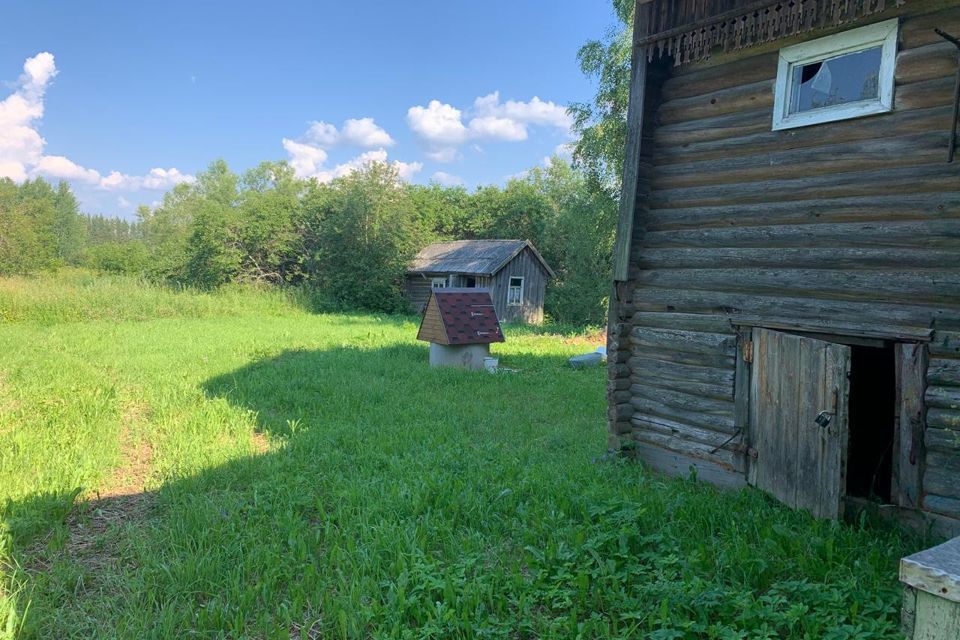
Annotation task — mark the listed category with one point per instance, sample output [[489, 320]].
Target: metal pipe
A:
[[956, 96]]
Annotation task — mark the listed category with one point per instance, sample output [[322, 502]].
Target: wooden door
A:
[[800, 459]]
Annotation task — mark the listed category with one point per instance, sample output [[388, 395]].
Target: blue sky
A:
[[135, 96]]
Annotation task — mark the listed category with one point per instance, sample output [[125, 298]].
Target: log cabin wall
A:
[[843, 228]]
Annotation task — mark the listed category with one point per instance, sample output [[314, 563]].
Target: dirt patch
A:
[[261, 444], [592, 339], [90, 522], [136, 457], [121, 500]]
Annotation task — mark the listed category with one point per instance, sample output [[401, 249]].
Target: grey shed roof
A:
[[471, 257]]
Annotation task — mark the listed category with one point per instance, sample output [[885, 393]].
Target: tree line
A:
[[348, 242]]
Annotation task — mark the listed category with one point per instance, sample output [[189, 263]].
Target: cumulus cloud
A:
[[438, 123], [406, 170], [22, 146], [441, 126], [355, 132], [309, 154], [157, 179], [305, 158], [446, 179]]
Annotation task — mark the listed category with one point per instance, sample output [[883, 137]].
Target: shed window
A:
[[515, 292], [438, 283], [842, 76]]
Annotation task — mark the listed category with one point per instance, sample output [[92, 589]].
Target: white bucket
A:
[[491, 364]]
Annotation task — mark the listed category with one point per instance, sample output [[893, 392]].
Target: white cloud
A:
[[308, 156], [441, 126], [322, 133], [536, 111], [305, 158], [13, 170], [438, 123], [65, 169], [446, 179], [123, 203], [364, 132], [406, 170], [21, 145], [356, 132], [157, 179]]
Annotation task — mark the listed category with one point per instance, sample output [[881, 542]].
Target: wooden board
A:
[[793, 380]]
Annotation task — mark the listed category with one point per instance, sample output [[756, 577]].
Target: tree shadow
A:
[[366, 445]]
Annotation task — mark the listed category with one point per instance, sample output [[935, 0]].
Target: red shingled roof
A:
[[460, 316]]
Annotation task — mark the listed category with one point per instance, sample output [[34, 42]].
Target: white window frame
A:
[[510, 287], [880, 34], [438, 283]]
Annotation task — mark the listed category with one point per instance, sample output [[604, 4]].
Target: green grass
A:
[[309, 476]]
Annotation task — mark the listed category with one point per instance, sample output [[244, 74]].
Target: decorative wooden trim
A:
[[757, 23]]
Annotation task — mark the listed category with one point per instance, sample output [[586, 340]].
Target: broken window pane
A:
[[848, 78]]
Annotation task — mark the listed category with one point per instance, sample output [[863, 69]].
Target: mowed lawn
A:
[[231, 465]]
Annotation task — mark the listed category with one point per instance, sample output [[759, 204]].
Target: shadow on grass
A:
[[374, 459], [396, 497]]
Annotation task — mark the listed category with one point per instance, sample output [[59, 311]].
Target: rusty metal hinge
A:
[[744, 449], [747, 349]]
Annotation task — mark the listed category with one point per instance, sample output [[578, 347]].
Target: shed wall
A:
[[849, 228], [525, 265]]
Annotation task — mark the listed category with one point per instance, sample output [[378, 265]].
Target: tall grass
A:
[[74, 295], [310, 476]]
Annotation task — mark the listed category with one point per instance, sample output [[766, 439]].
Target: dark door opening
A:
[[872, 417]]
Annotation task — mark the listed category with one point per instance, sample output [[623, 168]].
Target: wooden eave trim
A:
[[706, 22], [526, 245]]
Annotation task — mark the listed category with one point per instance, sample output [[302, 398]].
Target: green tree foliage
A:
[[349, 241], [40, 227], [602, 124], [114, 245], [213, 252], [368, 234], [270, 224], [578, 244]]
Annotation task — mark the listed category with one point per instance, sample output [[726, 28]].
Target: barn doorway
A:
[[871, 422]]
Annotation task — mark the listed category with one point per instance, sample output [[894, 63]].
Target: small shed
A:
[[785, 311], [460, 325], [513, 271]]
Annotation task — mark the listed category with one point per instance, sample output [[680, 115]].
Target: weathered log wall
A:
[[848, 228]]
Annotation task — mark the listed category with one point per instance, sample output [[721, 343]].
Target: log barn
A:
[[513, 271], [785, 311]]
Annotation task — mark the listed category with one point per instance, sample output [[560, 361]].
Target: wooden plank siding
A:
[[524, 265], [844, 228]]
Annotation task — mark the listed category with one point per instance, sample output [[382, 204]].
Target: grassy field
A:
[[232, 466]]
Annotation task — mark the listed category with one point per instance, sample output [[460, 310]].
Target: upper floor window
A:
[[438, 283], [515, 292], [846, 75]]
